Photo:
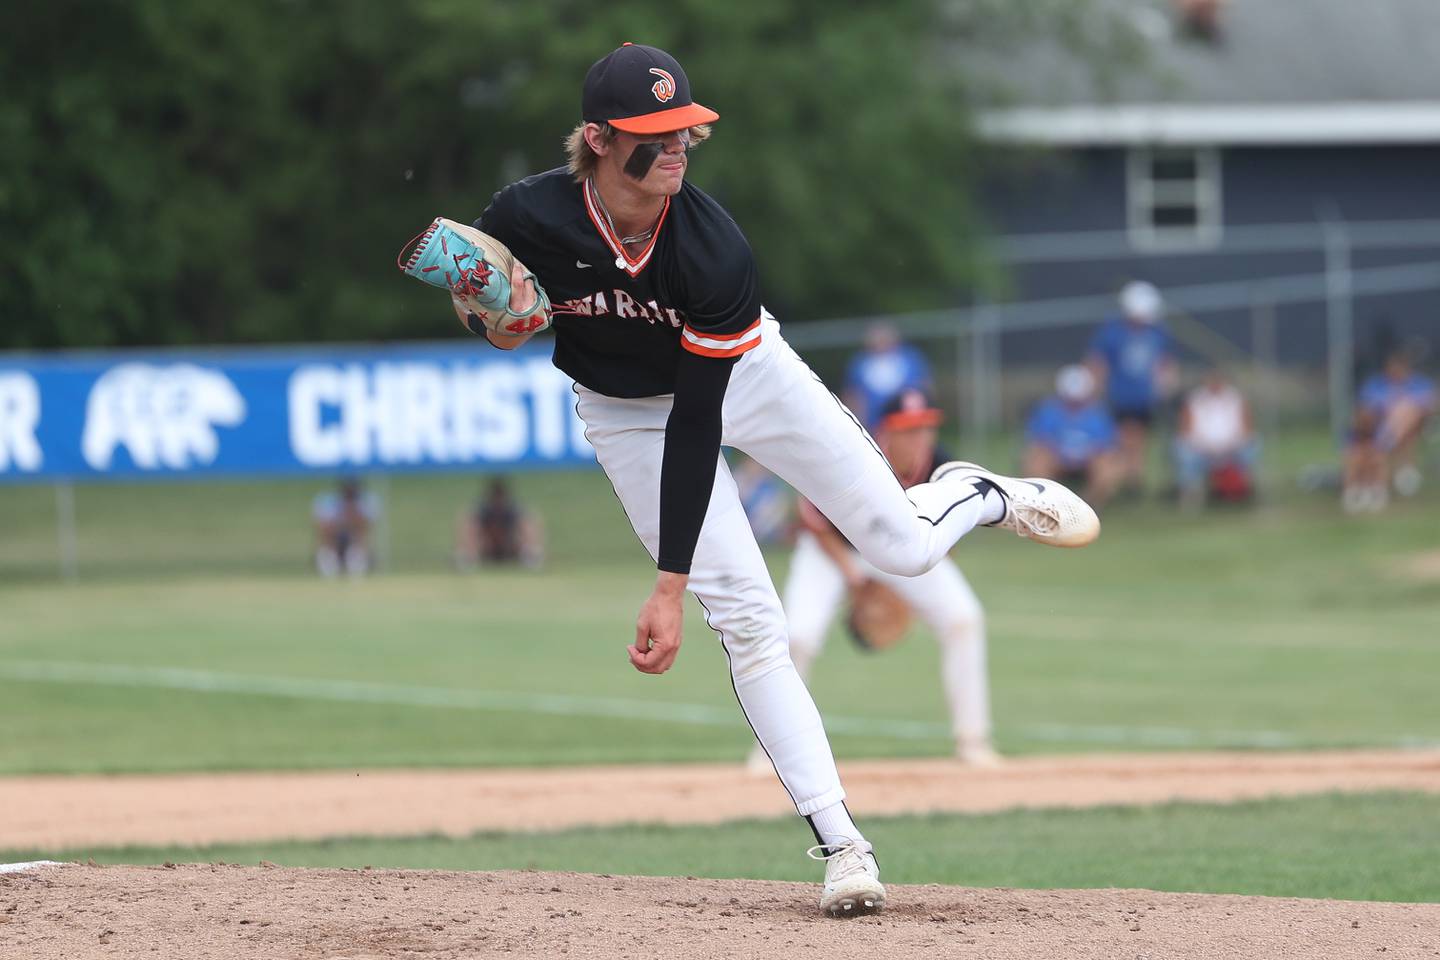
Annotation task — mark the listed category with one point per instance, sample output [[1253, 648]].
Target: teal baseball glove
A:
[[476, 269]]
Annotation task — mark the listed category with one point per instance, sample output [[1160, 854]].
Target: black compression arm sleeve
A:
[[692, 443]]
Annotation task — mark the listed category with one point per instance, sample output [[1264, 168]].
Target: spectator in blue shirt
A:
[[1072, 437], [882, 370], [1132, 355], [1390, 417]]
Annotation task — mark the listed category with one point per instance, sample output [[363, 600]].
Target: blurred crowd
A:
[[1096, 431], [1112, 407], [493, 531]]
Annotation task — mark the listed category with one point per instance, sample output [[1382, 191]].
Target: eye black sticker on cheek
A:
[[642, 158]]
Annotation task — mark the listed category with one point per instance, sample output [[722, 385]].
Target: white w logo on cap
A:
[[664, 88]]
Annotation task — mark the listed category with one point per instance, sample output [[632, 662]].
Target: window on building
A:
[[1174, 197]]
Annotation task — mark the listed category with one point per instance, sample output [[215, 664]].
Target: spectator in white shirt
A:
[[1215, 444], [343, 518]]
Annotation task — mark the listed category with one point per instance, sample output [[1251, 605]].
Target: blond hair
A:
[[581, 160]]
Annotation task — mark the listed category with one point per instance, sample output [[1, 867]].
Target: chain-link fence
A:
[[1297, 343]]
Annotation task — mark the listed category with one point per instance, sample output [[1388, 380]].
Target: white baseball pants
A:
[[778, 412], [815, 590]]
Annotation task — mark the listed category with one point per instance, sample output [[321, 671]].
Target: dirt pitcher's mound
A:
[[198, 911]]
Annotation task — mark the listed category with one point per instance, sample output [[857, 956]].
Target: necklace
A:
[[640, 237]]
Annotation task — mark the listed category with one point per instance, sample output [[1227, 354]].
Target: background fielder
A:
[[825, 567]]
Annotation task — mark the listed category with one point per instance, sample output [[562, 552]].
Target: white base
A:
[[30, 865]]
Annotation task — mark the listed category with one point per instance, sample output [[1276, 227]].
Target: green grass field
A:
[[197, 639], [1376, 847]]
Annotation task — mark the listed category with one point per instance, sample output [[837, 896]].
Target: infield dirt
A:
[[197, 912], [204, 912], [65, 812]]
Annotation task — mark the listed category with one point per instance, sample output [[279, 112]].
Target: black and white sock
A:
[[833, 826], [994, 499]]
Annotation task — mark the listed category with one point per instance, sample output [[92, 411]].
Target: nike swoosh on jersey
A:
[[582, 265]]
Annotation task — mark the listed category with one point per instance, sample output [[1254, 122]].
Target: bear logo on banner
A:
[[165, 417]]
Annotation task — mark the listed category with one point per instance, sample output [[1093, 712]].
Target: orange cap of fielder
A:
[[910, 408]]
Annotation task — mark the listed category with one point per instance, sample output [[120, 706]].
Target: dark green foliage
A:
[[206, 172]]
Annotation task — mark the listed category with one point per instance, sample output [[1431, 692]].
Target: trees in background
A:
[[207, 172]]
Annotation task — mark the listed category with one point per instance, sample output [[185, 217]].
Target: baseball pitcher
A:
[[654, 297]]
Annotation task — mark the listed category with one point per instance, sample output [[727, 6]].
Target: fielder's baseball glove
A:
[[475, 268], [879, 617]]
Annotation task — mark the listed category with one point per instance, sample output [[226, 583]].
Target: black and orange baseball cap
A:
[[643, 90], [908, 409]]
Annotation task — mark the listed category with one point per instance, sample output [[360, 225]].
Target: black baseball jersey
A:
[[620, 320]]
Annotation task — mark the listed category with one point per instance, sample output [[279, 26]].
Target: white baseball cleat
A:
[[852, 879], [979, 754], [1035, 508]]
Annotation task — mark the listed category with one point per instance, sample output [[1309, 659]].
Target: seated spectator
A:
[[498, 530], [885, 367], [1364, 487], [343, 518], [1393, 408], [1215, 444], [1071, 437]]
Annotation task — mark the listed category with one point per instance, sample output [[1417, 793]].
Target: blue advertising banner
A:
[[413, 407]]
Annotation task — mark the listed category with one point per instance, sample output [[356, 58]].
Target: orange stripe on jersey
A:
[[723, 336], [725, 345], [734, 351]]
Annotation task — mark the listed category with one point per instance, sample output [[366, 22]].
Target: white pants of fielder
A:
[[815, 590], [779, 413]]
